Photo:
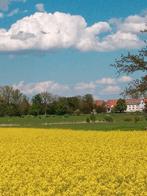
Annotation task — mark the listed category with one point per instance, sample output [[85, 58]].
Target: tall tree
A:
[[46, 100], [6, 93], [101, 108], [11, 101], [132, 63], [36, 107], [121, 105], [87, 104]]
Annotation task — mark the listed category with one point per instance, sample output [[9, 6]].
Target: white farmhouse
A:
[[134, 105]]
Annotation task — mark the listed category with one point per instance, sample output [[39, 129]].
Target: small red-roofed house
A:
[[133, 105], [111, 104]]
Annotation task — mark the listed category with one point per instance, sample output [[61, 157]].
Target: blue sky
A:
[[66, 47]]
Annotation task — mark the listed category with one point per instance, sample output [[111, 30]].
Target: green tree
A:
[[24, 106], [101, 108], [46, 100], [73, 104], [11, 101], [121, 105], [87, 104], [2, 107], [37, 106]]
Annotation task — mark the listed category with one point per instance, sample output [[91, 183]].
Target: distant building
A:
[[111, 104], [133, 105]]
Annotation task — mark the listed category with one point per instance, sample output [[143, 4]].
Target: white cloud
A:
[[34, 88], [106, 81], [133, 24], [111, 90], [121, 40], [13, 12], [109, 87], [112, 81], [46, 31], [85, 86], [125, 79], [40, 7]]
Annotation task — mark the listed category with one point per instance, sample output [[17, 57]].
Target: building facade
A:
[[133, 105]]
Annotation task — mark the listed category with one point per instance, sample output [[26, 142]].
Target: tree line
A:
[[14, 103]]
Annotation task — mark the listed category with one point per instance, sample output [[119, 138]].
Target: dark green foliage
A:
[[37, 106], [121, 106], [87, 104], [88, 120], [92, 118], [71, 105], [13, 102], [101, 108]]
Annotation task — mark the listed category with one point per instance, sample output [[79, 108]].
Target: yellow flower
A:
[[65, 162]]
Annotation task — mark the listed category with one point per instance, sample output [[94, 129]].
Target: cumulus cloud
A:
[[112, 81], [103, 86], [40, 7], [132, 24], [47, 31], [85, 86], [111, 90], [34, 88], [125, 79], [106, 81]]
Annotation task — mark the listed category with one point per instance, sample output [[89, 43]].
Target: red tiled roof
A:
[[111, 103], [133, 101], [99, 102]]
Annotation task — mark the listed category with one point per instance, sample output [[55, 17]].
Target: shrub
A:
[[88, 120], [92, 117]]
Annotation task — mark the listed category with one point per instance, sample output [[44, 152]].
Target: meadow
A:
[[124, 121], [66, 162]]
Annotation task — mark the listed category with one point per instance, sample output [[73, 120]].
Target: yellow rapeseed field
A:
[[65, 162]]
